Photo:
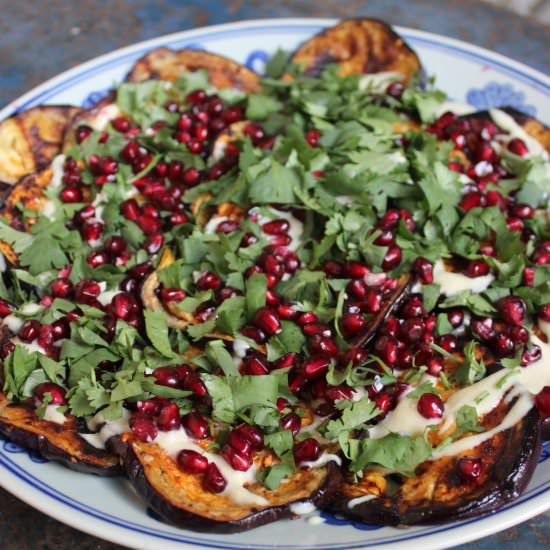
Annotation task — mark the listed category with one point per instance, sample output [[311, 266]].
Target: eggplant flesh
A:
[[358, 46], [438, 494], [167, 64], [179, 498]]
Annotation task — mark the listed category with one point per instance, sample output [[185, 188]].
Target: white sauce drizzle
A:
[[104, 116], [315, 520], [454, 283], [176, 440], [455, 107], [109, 428], [53, 415], [13, 323], [359, 500], [522, 383], [302, 508], [322, 460], [29, 346], [57, 170], [31, 309]]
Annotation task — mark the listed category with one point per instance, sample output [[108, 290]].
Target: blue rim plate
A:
[[108, 508]]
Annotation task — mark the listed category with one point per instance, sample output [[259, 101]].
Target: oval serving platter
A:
[[108, 508]]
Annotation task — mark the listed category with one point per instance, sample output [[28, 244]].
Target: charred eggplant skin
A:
[[508, 478], [188, 520], [85, 458]]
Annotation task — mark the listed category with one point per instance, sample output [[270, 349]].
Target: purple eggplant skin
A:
[[194, 522], [508, 478]]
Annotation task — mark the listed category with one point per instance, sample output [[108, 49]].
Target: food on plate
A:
[[29, 140], [257, 298]]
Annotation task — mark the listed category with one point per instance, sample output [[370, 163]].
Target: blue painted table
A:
[[41, 39]]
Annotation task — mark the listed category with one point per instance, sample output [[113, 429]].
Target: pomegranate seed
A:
[[395, 89], [208, 281], [60, 288], [196, 425], [424, 269], [60, 329], [286, 361], [213, 479], [455, 317], [412, 329], [83, 215], [143, 427], [240, 443], [169, 418], [307, 450], [430, 405], [518, 147], [512, 310], [29, 331], [544, 312], [196, 97], [194, 384], [494, 198], [287, 312], [469, 469], [255, 334], [339, 392], [333, 269], [124, 305], [291, 422], [251, 434], [413, 307], [151, 407], [166, 376], [6, 307], [82, 133], [70, 195], [434, 365], [322, 345], [267, 320], [356, 270], [57, 393], [542, 401], [312, 137], [531, 355], [482, 328], [357, 288], [130, 209], [192, 462], [477, 268], [448, 342], [471, 200], [307, 318], [390, 219], [386, 348], [6, 348], [392, 258], [140, 270], [233, 114], [541, 257], [353, 323], [172, 295], [405, 358], [191, 176], [276, 227], [455, 167], [149, 225], [115, 245], [238, 461], [316, 366], [504, 344], [385, 403], [153, 243], [373, 301], [255, 365], [227, 226]]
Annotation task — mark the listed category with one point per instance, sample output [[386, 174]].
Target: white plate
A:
[[108, 508]]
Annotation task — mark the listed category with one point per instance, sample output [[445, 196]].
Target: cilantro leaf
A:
[[352, 418], [157, 331]]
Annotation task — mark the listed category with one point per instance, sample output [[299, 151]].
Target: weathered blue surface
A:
[[38, 39]]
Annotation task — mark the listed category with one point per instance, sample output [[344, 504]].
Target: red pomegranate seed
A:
[[512, 310], [494, 198], [57, 393], [430, 405], [307, 450], [471, 200], [356, 356], [235, 459], [518, 147], [544, 312], [252, 434], [286, 361], [149, 225], [143, 427], [169, 418], [390, 219], [316, 366], [386, 348], [424, 269], [276, 227], [213, 479], [151, 407], [140, 270], [6, 308], [322, 345], [405, 358], [191, 176], [413, 307], [482, 328], [307, 318], [469, 469], [70, 195], [373, 301], [268, 321], [316, 329], [356, 270], [124, 305], [255, 365], [192, 462], [83, 215], [29, 331], [153, 243], [353, 323], [448, 342], [291, 422], [286, 312], [333, 268], [412, 329], [172, 295], [6, 348], [240, 443], [541, 257], [166, 376], [531, 355], [82, 133], [151, 210], [60, 288], [477, 268], [255, 334], [504, 344], [208, 281], [115, 245], [130, 209], [233, 114], [392, 258], [357, 288], [339, 392], [60, 329], [542, 401], [312, 137], [196, 425], [395, 89], [519, 334], [384, 402]]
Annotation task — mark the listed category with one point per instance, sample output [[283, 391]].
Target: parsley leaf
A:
[[353, 417]]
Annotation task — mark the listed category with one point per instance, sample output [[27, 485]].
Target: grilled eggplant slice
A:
[[59, 442], [179, 498], [437, 493], [358, 46], [31, 139], [167, 64]]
